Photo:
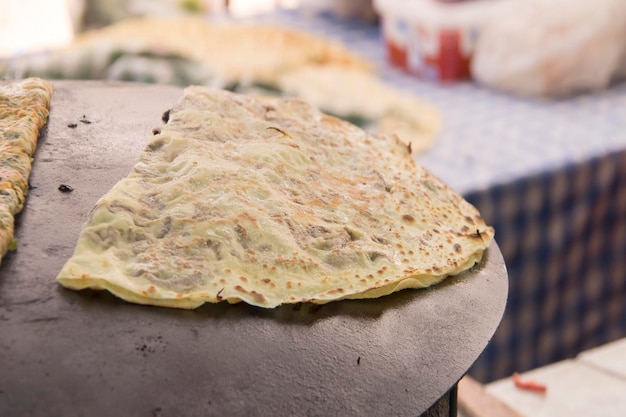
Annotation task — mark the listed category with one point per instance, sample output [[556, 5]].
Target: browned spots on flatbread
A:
[[258, 298], [242, 236], [408, 218]]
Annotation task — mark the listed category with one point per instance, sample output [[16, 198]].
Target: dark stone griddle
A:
[[67, 353]]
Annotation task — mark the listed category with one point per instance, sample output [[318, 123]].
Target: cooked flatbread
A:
[[24, 107], [350, 93], [269, 201]]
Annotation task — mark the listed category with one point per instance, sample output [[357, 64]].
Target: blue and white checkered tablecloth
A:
[[550, 176]]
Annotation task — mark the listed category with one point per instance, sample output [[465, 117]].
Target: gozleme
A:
[[268, 201]]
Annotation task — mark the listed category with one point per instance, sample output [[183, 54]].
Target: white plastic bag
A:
[[552, 47]]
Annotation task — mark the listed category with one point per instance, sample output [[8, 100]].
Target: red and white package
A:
[[433, 39]]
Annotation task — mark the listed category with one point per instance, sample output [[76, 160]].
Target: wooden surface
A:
[[593, 384], [475, 401], [610, 358]]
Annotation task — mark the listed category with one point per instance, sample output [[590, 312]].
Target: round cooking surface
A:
[[87, 353]]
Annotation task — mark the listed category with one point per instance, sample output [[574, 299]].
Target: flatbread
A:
[[24, 107], [269, 201]]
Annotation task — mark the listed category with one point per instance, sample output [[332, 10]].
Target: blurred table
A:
[[592, 384], [550, 176]]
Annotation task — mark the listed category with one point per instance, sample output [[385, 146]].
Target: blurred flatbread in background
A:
[[367, 101], [223, 54], [243, 58], [92, 14]]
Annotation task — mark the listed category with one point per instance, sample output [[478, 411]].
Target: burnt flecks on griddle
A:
[[64, 188], [166, 116]]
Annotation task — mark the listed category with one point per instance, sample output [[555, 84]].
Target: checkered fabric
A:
[[550, 176], [562, 234]]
